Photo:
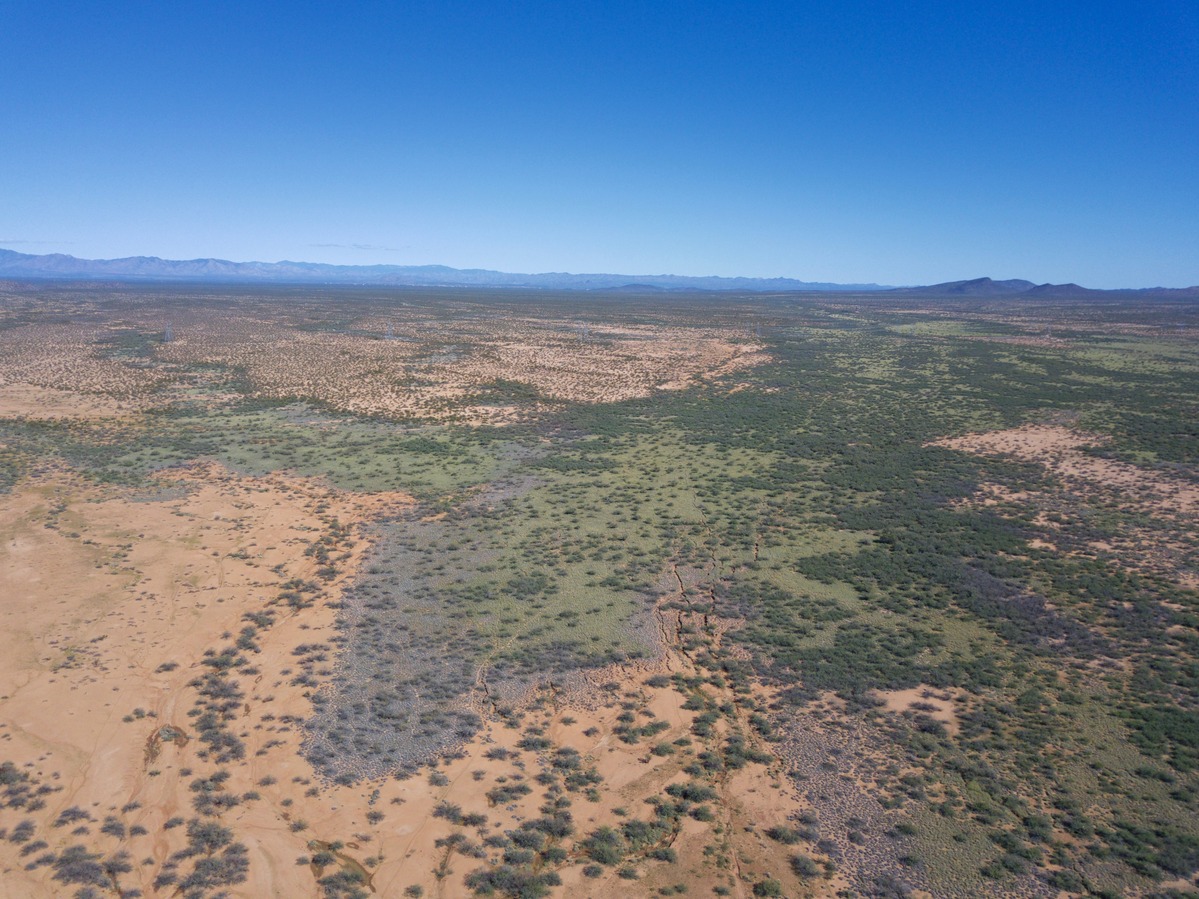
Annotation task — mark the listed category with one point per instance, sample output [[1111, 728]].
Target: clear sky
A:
[[892, 141]]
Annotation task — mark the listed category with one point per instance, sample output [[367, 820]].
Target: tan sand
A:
[[1168, 549], [116, 587]]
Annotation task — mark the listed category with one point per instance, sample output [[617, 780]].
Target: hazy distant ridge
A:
[[57, 265], [151, 268]]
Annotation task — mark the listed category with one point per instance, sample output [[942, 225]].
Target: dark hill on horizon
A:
[[1017, 288], [977, 287]]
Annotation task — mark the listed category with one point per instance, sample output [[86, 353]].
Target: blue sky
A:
[[897, 142]]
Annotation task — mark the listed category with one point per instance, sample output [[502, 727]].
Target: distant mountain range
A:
[[151, 268], [57, 266]]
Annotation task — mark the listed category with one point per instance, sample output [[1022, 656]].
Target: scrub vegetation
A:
[[930, 568]]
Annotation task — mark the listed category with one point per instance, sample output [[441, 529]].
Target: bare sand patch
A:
[[1169, 548], [111, 604], [35, 402], [940, 705], [69, 359], [1059, 449], [460, 369], [461, 366]]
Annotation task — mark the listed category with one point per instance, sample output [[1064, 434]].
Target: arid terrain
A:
[[402, 594], [118, 603]]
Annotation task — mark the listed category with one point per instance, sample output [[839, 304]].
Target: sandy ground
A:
[[459, 368], [411, 376], [1059, 449], [107, 592], [940, 705], [103, 594], [116, 601], [39, 403], [63, 358], [1168, 548]]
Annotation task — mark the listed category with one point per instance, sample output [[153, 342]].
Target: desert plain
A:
[[452, 593]]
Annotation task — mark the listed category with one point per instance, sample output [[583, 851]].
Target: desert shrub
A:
[[76, 865], [505, 793], [786, 835], [804, 867], [207, 836], [113, 827], [71, 815], [342, 885], [604, 845], [511, 881]]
